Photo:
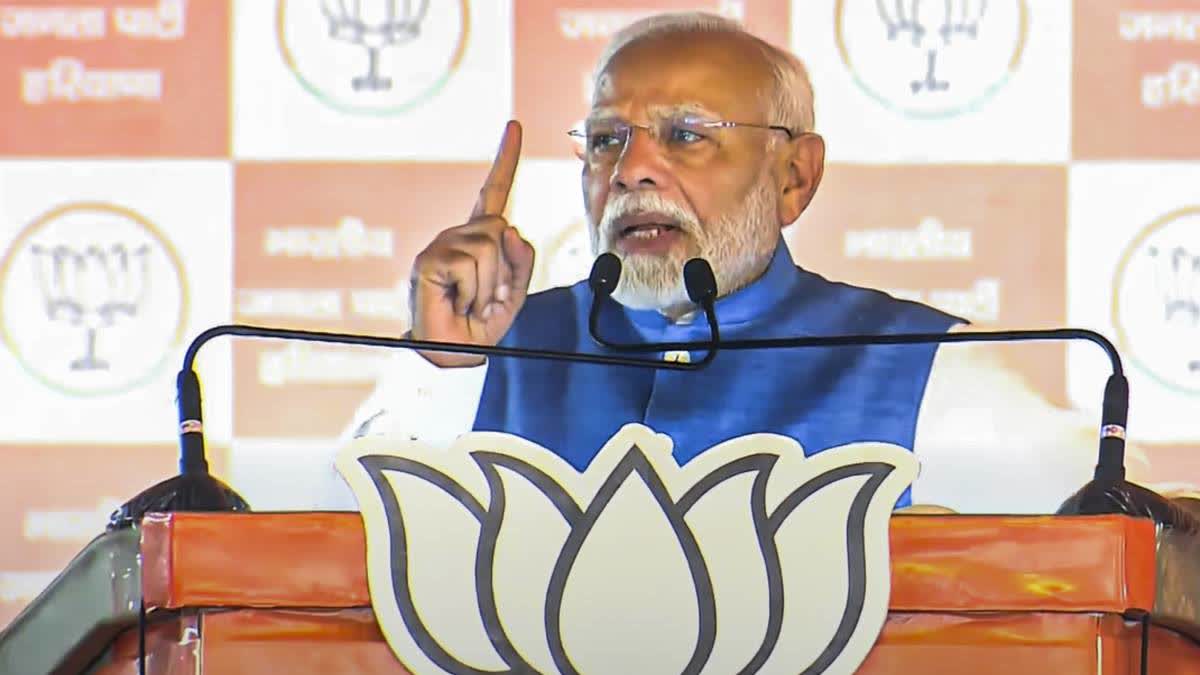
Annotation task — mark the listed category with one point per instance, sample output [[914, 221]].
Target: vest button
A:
[[677, 357]]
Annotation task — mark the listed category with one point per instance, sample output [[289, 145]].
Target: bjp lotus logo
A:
[[930, 60], [1156, 301], [498, 557], [373, 57], [93, 299]]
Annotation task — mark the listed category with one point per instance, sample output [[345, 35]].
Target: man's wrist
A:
[[447, 359]]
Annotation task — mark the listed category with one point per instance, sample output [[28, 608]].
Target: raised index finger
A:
[[493, 196]]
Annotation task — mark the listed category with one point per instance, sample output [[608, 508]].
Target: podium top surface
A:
[[939, 563]]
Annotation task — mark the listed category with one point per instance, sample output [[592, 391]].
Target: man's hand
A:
[[471, 281]]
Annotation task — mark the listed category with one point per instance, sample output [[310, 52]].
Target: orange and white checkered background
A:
[[168, 165]]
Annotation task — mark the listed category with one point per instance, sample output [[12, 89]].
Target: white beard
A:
[[738, 245]]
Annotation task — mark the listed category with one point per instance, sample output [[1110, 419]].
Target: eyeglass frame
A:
[[582, 135]]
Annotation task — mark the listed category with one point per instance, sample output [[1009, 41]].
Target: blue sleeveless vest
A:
[[822, 397]]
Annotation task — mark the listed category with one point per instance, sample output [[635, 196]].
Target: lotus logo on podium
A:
[[931, 59], [412, 48], [93, 299], [497, 556]]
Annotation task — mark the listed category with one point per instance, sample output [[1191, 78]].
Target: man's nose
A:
[[641, 165]]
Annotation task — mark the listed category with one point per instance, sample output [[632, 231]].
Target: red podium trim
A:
[[939, 563]]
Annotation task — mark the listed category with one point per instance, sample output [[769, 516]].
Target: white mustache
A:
[[632, 203]]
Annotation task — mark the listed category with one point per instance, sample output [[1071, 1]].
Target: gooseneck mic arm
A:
[[191, 419], [698, 280], [1110, 465], [1107, 492], [195, 489]]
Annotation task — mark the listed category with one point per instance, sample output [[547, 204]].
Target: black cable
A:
[[189, 357], [142, 636], [1145, 643], [651, 347], [861, 340]]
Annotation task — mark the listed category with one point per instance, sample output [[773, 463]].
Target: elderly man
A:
[[699, 143]]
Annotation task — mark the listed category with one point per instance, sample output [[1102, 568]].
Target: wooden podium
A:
[[287, 593]]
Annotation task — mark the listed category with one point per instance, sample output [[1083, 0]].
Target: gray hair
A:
[[789, 101]]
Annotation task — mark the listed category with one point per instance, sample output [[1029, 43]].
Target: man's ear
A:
[[803, 166]]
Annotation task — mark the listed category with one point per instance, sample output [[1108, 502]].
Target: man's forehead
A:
[[656, 110], [717, 74]]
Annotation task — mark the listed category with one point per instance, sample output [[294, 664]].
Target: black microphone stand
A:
[[195, 489], [1108, 492]]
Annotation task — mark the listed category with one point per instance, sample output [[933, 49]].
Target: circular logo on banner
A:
[[94, 299], [931, 59], [376, 57], [1156, 300]]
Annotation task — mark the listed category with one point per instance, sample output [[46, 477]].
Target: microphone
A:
[[700, 283], [698, 280], [195, 489], [605, 274]]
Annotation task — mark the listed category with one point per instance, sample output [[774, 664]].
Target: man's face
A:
[[683, 190]]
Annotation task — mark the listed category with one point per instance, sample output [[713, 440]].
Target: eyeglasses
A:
[[604, 140]]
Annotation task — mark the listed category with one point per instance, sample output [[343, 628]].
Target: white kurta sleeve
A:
[[413, 399], [989, 443]]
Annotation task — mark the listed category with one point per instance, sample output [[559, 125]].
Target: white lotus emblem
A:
[[498, 557]]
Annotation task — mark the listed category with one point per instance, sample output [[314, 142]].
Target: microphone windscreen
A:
[[1116, 401], [187, 392], [606, 272], [699, 281]]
